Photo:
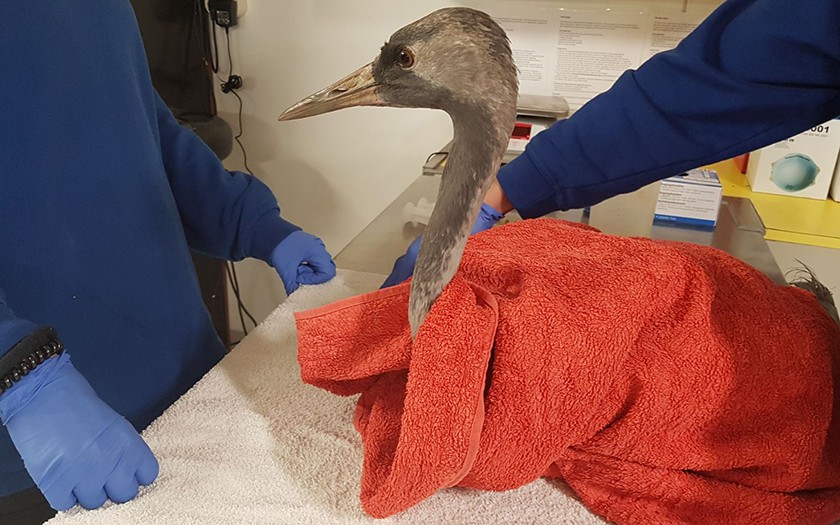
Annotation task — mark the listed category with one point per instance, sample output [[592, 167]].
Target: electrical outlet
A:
[[241, 7]]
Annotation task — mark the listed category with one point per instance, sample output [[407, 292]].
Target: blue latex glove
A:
[[302, 258], [404, 265], [74, 446]]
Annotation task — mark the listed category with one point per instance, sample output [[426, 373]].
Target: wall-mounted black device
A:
[[222, 12]]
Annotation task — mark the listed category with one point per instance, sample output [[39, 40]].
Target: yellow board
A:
[[787, 219]]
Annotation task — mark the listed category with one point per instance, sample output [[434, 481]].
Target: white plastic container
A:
[[418, 213]]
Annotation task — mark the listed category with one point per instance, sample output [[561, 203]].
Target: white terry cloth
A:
[[251, 444]]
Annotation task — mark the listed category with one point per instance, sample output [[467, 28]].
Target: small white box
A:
[[801, 166], [691, 198]]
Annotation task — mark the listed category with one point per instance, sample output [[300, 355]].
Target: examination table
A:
[[250, 443]]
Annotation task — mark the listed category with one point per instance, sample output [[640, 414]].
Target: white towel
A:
[[251, 444]]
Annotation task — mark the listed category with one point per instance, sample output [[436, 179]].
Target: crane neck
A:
[[479, 143]]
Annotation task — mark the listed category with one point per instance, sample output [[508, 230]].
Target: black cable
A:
[[244, 309], [234, 284], [198, 27], [233, 83], [227, 85], [230, 57], [236, 138], [236, 294]]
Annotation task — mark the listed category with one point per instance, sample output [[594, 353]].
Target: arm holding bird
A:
[[753, 73]]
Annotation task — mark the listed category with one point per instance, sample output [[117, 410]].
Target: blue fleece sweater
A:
[[102, 195], [753, 73]]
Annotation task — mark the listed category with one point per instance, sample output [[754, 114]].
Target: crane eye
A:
[[405, 58]]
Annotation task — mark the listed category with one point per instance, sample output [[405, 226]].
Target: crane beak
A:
[[359, 88]]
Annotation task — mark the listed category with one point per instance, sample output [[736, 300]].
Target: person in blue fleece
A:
[[102, 196], [753, 73]]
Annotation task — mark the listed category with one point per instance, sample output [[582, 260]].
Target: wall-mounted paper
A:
[[577, 53], [531, 35], [666, 30], [593, 49]]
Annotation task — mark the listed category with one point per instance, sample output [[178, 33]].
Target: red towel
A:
[[664, 382]]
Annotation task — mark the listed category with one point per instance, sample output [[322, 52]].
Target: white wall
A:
[[334, 173]]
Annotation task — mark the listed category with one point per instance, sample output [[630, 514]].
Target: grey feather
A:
[[806, 279]]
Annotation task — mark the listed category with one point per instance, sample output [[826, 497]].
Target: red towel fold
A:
[[664, 382]]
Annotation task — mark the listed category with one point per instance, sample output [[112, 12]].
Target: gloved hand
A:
[[75, 447], [302, 258], [404, 265]]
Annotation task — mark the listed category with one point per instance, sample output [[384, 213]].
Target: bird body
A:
[[457, 60]]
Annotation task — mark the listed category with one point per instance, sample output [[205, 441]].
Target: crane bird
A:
[[457, 60]]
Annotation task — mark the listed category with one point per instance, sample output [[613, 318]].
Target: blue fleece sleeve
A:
[[12, 329], [753, 73], [226, 214]]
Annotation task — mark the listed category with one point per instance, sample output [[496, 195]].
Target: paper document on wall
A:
[[666, 31], [534, 56], [579, 53]]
